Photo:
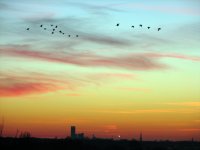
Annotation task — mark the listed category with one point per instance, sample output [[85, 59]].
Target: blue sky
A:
[[179, 19]]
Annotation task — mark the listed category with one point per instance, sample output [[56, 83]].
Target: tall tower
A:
[[140, 136], [73, 132]]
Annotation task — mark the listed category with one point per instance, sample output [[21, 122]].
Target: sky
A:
[[111, 80]]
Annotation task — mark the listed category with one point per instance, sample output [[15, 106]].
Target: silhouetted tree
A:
[[1, 128], [25, 135]]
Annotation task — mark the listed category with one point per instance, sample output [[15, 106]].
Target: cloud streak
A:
[[131, 62], [143, 61], [147, 111], [191, 104], [33, 83], [19, 89], [71, 25], [108, 40], [74, 94], [177, 56], [112, 75], [132, 89], [139, 61], [161, 8]]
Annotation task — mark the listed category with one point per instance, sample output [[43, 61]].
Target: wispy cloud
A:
[[41, 18], [109, 128], [193, 104], [19, 89], [95, 8], [3, 6], [100, 76], [131, 62], [147, 111], [134, 61], [161, 8], [190, 130], [32, 83], [132, 89], [177, 56], [108, 40], [77, 26], [73, 94]]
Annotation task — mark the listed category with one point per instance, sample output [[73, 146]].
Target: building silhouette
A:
[[73, 132], [80, 136], [75, 135]]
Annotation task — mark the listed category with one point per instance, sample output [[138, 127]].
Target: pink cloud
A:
[[19, 89], [100, 76], [139, 61], [177, 56], [132, 61], [16, 85]]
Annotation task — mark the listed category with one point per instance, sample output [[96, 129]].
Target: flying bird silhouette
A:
[[56, 26], [159, 29], [27, 29], [69, 35], [63, 33], [45, 28], [148, 27], [117, 24], [53, 29], [140, 25], [76, 35], [52, 32], [51, 25], [132, 26], [41, 25]]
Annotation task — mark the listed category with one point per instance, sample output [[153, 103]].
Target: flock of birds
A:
[[53, 29], [140, 26]]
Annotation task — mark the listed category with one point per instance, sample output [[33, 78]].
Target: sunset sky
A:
[[110, 80]]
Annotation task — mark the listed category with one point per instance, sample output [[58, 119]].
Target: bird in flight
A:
[[45, 28], [63, 33], [69, 35], [132, 26], [60, 31], [76, 35], [41, 25], [27, 29], [56, 26], [53, 29], [117, 24], [52, 32], [148, 27], [51, 25], [159, 29], [140, 25]]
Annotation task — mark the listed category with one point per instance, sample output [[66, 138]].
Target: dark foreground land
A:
[[95, 144]]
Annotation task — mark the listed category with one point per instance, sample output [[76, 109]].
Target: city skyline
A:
[[109, 67]]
